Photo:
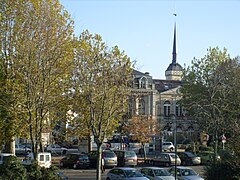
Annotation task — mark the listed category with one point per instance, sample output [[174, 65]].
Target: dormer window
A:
[[143, 83]]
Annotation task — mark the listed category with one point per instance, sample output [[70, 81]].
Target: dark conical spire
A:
[[174, 70], [174, 53]]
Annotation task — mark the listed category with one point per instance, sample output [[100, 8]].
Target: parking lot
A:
[[90, 174]]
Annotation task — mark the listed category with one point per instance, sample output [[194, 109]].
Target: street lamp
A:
[[175, 144]]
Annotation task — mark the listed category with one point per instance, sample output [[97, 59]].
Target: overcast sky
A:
[[144, 28]]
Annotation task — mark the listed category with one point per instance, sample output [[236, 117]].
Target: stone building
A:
[[159, 98]]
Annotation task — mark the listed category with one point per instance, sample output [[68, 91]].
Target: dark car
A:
[[75, 160], [126, 158], [110, 158], [188, 158], [207, 157]]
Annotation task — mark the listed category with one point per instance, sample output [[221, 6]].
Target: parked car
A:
[[56, 149], [44, 159], [4, 157], [156, 173], [207, 157], [185, 173], [21, 149], [167, 146], [166, 159], [126, 158], [125, 173], [188, 158], [75, 160], [110, 158]]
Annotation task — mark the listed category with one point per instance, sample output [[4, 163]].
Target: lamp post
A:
[[175, 144]]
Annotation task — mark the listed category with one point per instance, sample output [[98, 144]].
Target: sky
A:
[[143, 29]]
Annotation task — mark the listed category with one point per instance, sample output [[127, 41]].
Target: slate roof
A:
[[165, 85]]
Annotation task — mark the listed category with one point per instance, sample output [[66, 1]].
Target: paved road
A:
[[90, 174]]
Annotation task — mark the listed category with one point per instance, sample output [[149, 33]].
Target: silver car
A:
[[156, 173], [22, 149], [166, 159], [125, 173], [56, 149], [185, 173], [110, 158]]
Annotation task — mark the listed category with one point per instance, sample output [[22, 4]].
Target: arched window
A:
[[158, 109], [167, 107], [190, 129], [179, 128], [141, 107], [179, 111]]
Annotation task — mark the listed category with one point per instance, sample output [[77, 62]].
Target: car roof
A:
[[77, 154], [168, 153], [125, 168], [185, 152], [108, 151], [7, 154], [183, 167], [152, 168]]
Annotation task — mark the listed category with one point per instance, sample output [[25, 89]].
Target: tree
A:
[[207, 93], [100, 83], [140, 128], [37, 54], [11, 123]]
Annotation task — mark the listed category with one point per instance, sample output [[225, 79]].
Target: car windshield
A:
[[5, 158], [56, 146], [173, 156], [83, 157], [190, 154], [188, 172], [161, 172], [130, 154], [133, 173], [109, 154], [166, 143]]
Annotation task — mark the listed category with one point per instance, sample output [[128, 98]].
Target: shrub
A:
[[13, 169], [224, 170], [205, 148], [41, 173], [34, 171], [50, 173]]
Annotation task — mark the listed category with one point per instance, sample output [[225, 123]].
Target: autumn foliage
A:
[[141, 127]]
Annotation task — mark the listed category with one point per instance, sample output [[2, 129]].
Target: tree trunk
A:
[[10, 147], [99, 161], [215, 148], [144, 152]]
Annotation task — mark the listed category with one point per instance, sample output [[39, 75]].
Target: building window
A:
[[178, 110], [158, 109], [167, 107], [143, 83], [141, 107]]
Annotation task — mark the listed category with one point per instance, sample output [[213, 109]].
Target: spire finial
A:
[[174, 53]]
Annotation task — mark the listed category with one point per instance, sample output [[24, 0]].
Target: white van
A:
[[44, 159]]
